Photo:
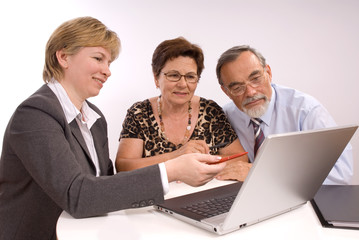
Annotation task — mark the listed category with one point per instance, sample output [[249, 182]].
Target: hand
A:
[[235, 169], [193, 168], [193, 146]]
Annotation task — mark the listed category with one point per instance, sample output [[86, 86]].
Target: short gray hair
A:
[[232, 54]]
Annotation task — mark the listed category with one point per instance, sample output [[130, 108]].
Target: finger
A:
[[207, 158], [214, 169], [230, 177]]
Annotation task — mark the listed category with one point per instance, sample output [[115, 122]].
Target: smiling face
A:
[[84, 72], [180, 92], [247, 68]]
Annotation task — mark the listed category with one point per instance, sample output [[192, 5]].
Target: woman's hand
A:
[[193, 169], [193, 146]]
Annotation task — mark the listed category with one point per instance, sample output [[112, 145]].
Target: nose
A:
[[250, 91], [106, 71], [182, 81]]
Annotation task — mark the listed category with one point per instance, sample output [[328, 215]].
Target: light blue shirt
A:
[[290, 111]]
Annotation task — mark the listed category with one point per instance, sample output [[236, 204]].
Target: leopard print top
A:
[[212, 126]]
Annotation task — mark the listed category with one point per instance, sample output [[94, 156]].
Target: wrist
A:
[[170, 171]]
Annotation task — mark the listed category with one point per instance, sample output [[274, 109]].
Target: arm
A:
[[130, 150], [342, 171], [57, 172], [129, 155]]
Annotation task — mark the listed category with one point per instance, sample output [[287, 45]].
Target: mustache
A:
[[254, 98]]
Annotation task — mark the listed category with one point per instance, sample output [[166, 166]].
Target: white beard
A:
[[256, 112]]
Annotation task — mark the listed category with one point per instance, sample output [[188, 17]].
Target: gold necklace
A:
[[162, 126]]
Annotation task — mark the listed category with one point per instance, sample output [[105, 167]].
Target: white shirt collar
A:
[[71, 112]]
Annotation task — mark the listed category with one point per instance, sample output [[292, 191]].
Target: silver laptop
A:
[[287, 172]]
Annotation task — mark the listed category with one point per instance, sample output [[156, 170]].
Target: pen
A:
[[218, 145], [223, 159]]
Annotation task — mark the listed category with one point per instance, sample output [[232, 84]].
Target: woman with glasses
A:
[[177, 121]]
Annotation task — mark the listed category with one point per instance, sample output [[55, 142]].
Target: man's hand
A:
[[235, 170]]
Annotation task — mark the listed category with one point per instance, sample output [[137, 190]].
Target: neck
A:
[[74, 98], [169, 109], [162, 125]]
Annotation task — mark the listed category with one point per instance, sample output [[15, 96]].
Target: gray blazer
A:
[[45, 168]]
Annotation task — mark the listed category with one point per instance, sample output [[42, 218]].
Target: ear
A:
[[156, 81], [269, 72], [62, 58], [225, 90]]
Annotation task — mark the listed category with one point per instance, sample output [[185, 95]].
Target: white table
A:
[[148, 223]]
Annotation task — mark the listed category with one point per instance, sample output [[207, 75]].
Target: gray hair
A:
[[232, 54]]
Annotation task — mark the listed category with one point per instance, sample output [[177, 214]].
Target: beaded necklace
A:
[[162, 126]]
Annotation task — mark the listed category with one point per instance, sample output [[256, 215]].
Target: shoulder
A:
[[43, 100], [230, 108], [211, 110], [294, 98], [139, 112], [139, 107], [41, 110], [42, 96], [302, 108], [208, 103], [141, 104]]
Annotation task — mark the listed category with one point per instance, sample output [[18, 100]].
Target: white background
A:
[[311, 45]]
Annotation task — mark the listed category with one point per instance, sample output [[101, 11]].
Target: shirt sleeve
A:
[[342, 172], [164, 178]]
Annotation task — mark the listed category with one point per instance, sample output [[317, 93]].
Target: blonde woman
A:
[[55, 153]]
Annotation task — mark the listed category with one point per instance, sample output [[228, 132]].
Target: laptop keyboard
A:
[[212, 207]]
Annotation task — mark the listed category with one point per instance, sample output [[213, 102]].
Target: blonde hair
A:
[[71, 36]]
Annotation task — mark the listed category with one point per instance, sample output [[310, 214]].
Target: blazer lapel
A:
[[99, 146], [77, 134]]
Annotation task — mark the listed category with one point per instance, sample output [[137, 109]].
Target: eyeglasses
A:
[[175, 76], [238, 89]]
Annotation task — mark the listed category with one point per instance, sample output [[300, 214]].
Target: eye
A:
[[256, 79], [191, 76], [173, 75], [99, 59], [236, 88]]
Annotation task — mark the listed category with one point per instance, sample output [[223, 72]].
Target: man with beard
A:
[[246, 78]]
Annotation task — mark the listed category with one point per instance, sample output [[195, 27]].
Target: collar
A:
[[87, 114]]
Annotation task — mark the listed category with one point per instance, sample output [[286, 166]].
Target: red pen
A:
[[223, 159]]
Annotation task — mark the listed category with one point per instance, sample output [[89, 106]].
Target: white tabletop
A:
[[148, 223]]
